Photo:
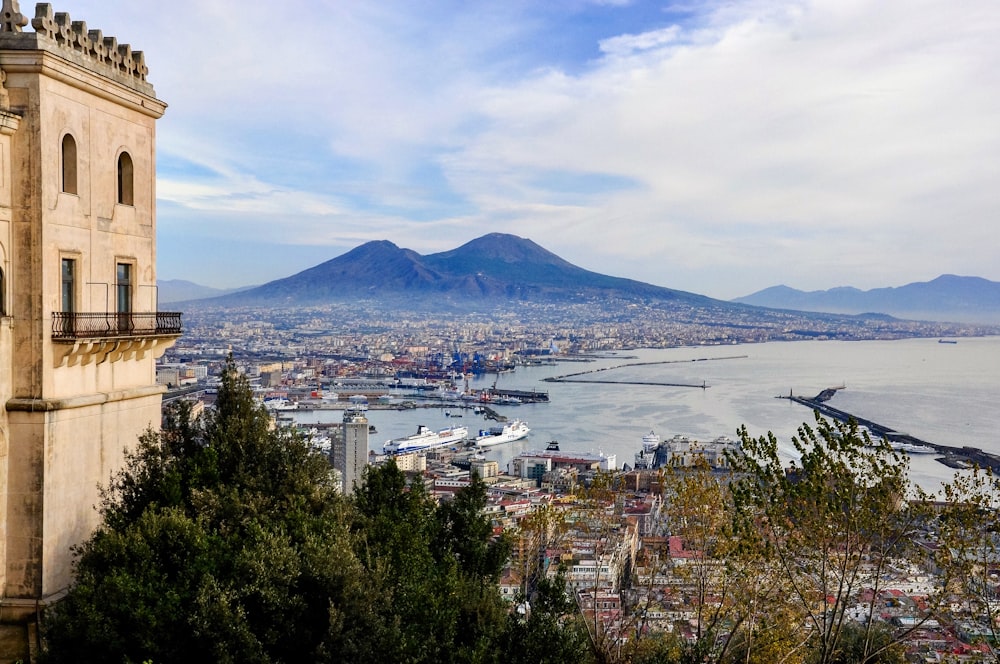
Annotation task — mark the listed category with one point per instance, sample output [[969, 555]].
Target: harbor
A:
[[926, 389]]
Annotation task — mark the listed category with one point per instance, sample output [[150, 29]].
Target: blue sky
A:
[[718, 147]]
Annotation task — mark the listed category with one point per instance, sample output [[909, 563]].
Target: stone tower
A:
[[79, 326]]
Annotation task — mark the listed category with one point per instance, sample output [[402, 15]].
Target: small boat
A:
[[553, 446], [911, 448]]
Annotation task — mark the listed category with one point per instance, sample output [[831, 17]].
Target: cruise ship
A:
[[506, 433], [425, 439]]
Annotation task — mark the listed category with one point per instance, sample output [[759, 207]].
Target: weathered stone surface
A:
[[77, 183]]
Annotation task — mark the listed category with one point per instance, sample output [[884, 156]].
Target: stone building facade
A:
[[79, 326]]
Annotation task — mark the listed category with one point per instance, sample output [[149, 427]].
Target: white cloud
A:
[[833, 141], [628, 44]]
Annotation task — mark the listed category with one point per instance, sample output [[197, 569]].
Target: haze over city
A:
[[714, 147]]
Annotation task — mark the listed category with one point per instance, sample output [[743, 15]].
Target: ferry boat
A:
[[650, 441], [425, 439], [506, 433]]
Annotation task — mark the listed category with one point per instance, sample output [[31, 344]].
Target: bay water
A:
[[947, 393]]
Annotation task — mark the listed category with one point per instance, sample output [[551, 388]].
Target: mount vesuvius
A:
[[494, 268]]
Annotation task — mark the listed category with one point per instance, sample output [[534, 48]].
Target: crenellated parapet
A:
[[91, 44], [57, 32]]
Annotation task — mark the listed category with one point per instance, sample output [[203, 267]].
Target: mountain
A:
[[490, 269], [947, 298], [179, 290]]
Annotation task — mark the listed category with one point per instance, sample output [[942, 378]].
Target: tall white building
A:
[[350, 452]]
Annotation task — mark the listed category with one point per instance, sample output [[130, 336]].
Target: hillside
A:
[[946, 298]]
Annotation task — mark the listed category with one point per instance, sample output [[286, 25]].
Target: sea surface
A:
[[947, 393]]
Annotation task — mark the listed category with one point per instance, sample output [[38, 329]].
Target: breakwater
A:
[[702, 385], [578, 376], [951, 456]]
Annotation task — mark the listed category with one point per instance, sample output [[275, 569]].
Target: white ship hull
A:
[[498, 435], [425, 439]]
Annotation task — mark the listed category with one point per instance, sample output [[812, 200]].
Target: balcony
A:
[[83, 338], [72, 326]]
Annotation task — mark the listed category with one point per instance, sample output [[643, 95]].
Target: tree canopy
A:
[[224, 539]]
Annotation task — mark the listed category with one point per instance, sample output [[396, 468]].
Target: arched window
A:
[[69, 164], [125, 196]]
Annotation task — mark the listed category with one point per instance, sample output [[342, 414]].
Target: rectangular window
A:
[[123, 291], [69, 285], [124, 288]]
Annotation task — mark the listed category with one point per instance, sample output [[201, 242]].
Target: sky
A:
[[716, 146]]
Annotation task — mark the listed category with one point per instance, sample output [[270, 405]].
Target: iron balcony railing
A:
[[70, 326]]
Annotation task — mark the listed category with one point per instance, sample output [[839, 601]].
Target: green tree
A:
[[433, 570], [969, 550], [222, 539], [734, 592], [829, 522], [467, 534], [546, 629]]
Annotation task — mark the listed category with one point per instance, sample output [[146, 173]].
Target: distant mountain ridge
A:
[[180, 290], [947, 298], [493, 268]]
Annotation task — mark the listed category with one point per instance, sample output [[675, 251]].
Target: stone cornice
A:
[[31, 405], [55, 66]]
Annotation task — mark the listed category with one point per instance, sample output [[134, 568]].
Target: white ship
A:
[[425, 439], [280, 403], [645, 458], [650, 441], [506, 433]]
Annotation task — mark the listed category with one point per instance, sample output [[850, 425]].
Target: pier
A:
[[524, 396], [953, 457]]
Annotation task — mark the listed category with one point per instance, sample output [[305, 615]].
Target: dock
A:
[[524, 396], [952, 456]]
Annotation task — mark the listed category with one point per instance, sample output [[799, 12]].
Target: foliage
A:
[[830, 523], [224, 540], [221, 539], [433, 569], [862, 645], [970, 550], [548, 631]]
